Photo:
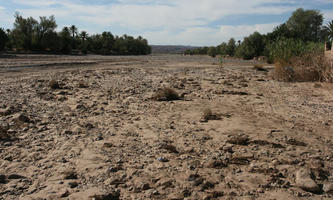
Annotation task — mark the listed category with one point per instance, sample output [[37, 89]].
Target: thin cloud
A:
[[163, 21]]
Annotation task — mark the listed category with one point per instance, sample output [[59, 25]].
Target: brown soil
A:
[[89, 128]]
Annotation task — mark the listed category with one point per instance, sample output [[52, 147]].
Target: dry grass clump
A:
[[208, 114], [166, 94], [82, 84], [306, 68], [54, 84], [259, 67]]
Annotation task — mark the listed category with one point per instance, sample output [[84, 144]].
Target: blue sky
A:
[[181, 22]]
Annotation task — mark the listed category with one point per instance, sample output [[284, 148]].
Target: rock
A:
[[73, 184], [145, 186], [305, 182], [239, 140], [22, 118], [16, 176], [217, 164], [6, 111], [170, 148], [328, 187], [3, 179], [163, 159], [64, 194], [4, 127], [70, 175], [110, 196]]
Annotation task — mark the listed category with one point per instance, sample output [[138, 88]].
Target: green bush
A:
[[284, 49]]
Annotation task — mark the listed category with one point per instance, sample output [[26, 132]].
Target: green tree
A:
[[231, 47], [212, 52], [222, 48], [46, 32], [73, 31], [24, 32], [252, 46], [66, 39], [3, 39], [281, 31], [306, 24]]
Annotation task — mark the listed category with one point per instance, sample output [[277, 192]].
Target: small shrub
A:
[[82, 84], [166, 94], [209, 115], [308, 67], [54, 84]]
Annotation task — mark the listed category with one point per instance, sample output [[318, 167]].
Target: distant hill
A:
[[170, 49]]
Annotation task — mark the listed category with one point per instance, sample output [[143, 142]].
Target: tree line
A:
[[303, 31], [31, 35]]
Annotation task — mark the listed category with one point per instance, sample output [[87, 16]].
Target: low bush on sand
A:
[[299, 61], [54, 84], [305, 68], [166, 94]]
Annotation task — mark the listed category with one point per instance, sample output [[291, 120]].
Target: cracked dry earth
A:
[[95, 132]]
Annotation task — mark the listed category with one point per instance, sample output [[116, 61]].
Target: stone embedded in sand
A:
[[6, 111], [109, 196], [216, 164], [70, 175], [4, 127], [328, 187], [163, 159], [22, 118], [169, 147], [239, 140], [305, 182]]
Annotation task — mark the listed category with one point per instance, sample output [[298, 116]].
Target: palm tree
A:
[[73, 30], [329, 32], [83, 35]]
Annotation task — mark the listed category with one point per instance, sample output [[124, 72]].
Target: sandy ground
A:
[[99, 134]]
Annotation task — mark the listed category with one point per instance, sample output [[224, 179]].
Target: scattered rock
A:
[[239, 140], [3, 179], [16, 176], [4, 127], [295, 142], [70, 175], [234, 93], [305, 182], [110, 196], [217, 164], [73, 184], [22, 118], [169, 147], [163, 159], [64, 194], [328, 187]]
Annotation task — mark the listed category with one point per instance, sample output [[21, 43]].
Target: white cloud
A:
[[205, 36], [328, 15], [161, 21]]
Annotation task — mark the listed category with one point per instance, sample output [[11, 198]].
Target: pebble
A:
[[163, 159]]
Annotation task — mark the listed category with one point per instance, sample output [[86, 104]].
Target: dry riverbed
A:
[[85, 127]]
